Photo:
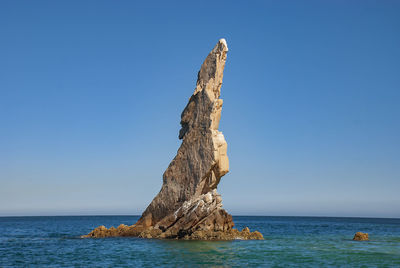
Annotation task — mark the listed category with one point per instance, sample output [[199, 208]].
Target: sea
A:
[[289, 242]]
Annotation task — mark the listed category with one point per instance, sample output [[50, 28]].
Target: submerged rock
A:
[[359, 236], [188, 205]]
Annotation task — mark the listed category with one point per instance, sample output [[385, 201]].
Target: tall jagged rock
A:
[[188, 205], [201, 160]]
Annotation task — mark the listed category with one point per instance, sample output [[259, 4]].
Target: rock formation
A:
[[188, 205], [359, 236]]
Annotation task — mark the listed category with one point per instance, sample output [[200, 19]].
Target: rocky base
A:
[[359, 236], [201, 218], [137, 231]]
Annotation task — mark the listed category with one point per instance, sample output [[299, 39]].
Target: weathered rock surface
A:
[[188, 205], [359, 236]]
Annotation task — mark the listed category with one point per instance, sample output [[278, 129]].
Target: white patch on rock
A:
[[208, 198], [223, 41]]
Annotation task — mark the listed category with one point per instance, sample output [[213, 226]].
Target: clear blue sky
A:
[[91, 94]]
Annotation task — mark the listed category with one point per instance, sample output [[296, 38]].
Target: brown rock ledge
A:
[[188, 205], [133, 231]]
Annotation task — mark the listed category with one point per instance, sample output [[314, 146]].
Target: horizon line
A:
[[128, 215]]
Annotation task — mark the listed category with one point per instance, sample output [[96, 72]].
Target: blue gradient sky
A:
[[91, 94]]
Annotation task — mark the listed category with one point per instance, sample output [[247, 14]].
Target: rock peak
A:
[[188, 205], [223, 42]]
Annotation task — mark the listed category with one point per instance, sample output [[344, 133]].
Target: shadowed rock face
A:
[[188, 205]]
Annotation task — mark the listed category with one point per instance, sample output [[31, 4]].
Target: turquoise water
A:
[[289, 242]]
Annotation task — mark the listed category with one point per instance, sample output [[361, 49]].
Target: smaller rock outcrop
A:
[[359, 236]]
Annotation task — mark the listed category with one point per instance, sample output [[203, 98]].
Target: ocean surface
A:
[[289, 242]]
